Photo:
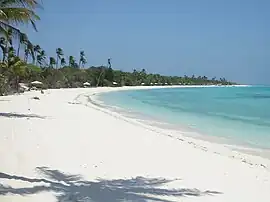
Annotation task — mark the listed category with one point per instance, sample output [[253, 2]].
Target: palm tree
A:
[[59, 54], [6, 41], [23, 40], [11, 52], [71, 61], [82, 59], [37, 50], [41, 58], [17, 12], [29, 50], [52, 62], [15, 67], [3, 47], [63, 62], [84, 62]]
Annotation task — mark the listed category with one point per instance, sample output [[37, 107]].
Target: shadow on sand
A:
[[16, 115], [72, 188]]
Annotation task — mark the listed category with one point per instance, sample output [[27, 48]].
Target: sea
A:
[[237, 115]]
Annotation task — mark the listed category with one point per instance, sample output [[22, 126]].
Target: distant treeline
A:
[[24, 62], [70, 77]]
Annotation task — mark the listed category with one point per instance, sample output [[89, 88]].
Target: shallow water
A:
[[240, 115]]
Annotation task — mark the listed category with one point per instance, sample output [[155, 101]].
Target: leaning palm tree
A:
[[52, 62], [11, 52], [37, 50], [23, 40], [71, 61], [82, 59], [6, 42], [59, 54], [3, 47], [29, 50], [63, 62], [17, 12], [14, 68], [41, 58]]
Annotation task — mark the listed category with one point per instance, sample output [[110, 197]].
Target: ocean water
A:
[[240, 115]]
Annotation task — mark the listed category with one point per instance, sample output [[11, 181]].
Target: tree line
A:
[[23, 62]]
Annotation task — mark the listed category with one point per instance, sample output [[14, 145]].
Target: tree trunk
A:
[[18, 51], [3, 52], [34, 59], [26, 56], [57, 60], [17, 83], [7, 52], [4, 56]]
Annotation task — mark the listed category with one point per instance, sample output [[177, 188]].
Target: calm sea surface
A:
[[238, 114]]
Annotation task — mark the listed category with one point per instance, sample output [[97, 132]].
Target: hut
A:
[[35, 85], [86, 84]]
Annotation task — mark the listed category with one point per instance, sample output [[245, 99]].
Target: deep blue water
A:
[[239, 114]]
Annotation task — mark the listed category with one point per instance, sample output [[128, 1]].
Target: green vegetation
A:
[[24, 62]]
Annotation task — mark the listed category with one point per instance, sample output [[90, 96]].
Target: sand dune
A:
[[64, 148]]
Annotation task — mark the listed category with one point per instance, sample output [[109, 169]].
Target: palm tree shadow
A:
[[16, 115], [72, 188]]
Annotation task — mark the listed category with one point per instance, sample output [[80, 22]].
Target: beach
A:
[[65, 147]]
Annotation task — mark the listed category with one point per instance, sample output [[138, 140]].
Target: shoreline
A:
[[224, 142], [67, 132]]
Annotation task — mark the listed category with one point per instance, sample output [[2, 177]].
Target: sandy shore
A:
[[64, 148]]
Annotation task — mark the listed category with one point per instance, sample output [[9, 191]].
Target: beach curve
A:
[[111, 155]]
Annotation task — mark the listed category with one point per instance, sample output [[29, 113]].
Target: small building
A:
[[34, 85], [86, 84]]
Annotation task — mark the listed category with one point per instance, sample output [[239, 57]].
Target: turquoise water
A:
[[238, 114]]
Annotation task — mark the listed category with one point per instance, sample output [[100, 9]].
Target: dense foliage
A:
[[24, 62]]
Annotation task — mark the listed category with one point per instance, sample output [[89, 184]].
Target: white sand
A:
[[108, 150]]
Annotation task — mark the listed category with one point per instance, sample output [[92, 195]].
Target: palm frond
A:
[[2, 14], [23, 38], [32, 4], [19, 16], [5, 27]]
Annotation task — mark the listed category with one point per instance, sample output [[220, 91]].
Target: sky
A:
[[222, 38]]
